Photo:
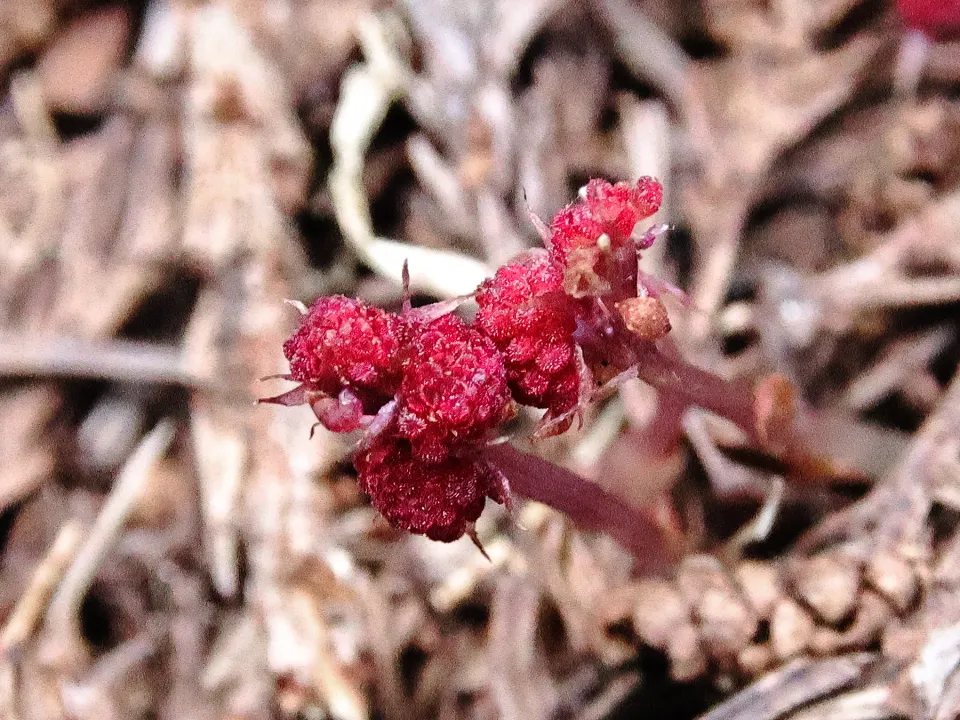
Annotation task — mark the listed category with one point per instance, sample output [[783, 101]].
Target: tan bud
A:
[[645, 317]]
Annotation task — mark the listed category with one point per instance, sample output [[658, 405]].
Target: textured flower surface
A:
[[433, 499], [343, 342], [607, 213], [454, 388], [524, 310], [622, 205]]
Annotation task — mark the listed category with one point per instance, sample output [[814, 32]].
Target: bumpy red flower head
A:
[[592, 238], [524, 310], [621, 206], [454, 389], [343, 342], [605, 210], [432, 499]]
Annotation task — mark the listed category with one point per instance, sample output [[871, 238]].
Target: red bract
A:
[[454, 389], [433, 499], [524, 310], [939, 19], [344, 343]]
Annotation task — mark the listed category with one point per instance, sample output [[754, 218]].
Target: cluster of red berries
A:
[[430, 391]]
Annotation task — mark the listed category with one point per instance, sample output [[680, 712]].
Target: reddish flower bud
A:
[[454, 388], [645, 317], [605, 217], [432, 499], [572, 228], [623, 205], [346, 343], [524, 310], [592, 238]]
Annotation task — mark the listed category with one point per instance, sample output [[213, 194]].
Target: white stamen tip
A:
[[301, 308]]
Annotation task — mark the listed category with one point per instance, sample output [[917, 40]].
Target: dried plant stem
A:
[[31, 606], [117, 360], [62, 630], [797, 684], [895, 513], [368, 90]]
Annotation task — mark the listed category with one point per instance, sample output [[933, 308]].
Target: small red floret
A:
[[524, 310], [432, 499], [573, 227], [606, 209], [623, 205], [343, 342], [454, 389]]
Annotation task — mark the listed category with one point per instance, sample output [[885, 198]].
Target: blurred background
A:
[[172, 170]]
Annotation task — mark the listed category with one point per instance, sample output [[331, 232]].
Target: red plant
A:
[[524, 310], [454, 391], [938, 19], [555, 330]]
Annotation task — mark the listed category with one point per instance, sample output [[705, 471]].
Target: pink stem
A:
[[674, 377], [587, 504]]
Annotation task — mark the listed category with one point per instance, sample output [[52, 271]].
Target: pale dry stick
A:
[[24, 416], [767, 108], [760, 526], [648, 51], [647, 137], [938, 661], [871, 703], [896, 366], [38, 154], [600, 435], [61, 634], [517, 26], [902, 292], [30, 109], [440, 179], [8, 689], [162, 48], [115, 360], [367, 91], [517, 685], [877, 278], [795, 685], [32, 604], [84, 697], [727, 478]]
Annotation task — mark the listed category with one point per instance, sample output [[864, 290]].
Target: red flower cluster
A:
[[429, 391]]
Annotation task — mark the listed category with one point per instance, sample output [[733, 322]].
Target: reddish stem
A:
[[674, 377], [586, 503]]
